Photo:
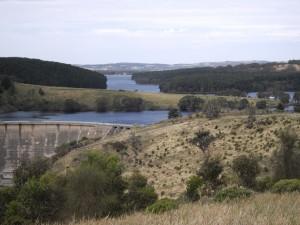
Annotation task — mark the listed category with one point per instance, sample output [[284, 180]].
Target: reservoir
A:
[[138, 118]]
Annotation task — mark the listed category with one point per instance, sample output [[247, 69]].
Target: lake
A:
[[124, 82], [140, 118]]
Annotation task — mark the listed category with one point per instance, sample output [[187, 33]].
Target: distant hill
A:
[[143, 67], [228, 80], [35, 71]]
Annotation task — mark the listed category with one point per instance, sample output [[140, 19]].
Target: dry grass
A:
[[264, 209]]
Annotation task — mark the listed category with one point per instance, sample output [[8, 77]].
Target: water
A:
[[140, 118], [124, 82]]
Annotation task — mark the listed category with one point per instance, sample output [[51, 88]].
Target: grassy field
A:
[[262, 209], [88, 97]]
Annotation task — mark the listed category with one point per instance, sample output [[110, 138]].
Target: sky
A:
[[150, 31]]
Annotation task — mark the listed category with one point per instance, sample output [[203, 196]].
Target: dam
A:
[[27, 140]]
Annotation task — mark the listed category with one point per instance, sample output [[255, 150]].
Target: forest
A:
[[34, 71], [221, 80]]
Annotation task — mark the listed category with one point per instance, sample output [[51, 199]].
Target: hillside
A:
[[241, 79], [164, 153], [34, 71]]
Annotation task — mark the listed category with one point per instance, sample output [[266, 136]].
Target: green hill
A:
[[35, 71]]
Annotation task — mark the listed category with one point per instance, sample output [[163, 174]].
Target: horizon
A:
[[132, 31]]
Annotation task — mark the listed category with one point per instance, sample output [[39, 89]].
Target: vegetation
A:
[[289, 185], [203, 139], [210, 171], [212, 109], [162, 205], [173, 113], [192, 188], [231, 193], [286, 159], [221, 80], [261, 104], [191, 103], [33, 71], [246, 167]]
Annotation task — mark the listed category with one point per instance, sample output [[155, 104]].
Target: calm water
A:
[[124, 82], [141, 118]]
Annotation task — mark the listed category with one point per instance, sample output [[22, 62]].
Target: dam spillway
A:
[[27, 140]]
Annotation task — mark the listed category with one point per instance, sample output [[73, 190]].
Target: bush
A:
[[29, 169], [162, 205], [203, 139], [297, 108], [211, 170], [191, 103], [212, 109], [7, 194], [192, 188], [261, 104], [246, 167], [264, 184], [286, 160], [280, 106], [95, 188], [173, 113], [286, 185], [71, 106], [139, 194], [231, 193]]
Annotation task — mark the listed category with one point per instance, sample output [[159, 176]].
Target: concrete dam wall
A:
[[19, 140]]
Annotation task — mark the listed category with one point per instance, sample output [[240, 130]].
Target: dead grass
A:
[[263, 209]]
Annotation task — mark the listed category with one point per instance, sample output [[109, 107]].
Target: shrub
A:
[[162, 205], [191, 103], [210, 170], [297, 108], [286, 160], [28, 169], [7, 194], [261, 104], [212, 109], [231, 193], [192, 188], [246, 167], [280, 106], [203, 139], [71, 106], [251, 117], [286, 185], [96, 187], [173, 113], [139, 194], [264, 184]]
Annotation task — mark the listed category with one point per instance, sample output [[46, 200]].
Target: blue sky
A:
[[162, 31]]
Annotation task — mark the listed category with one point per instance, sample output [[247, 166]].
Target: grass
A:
[[262, 209], [88, 97]]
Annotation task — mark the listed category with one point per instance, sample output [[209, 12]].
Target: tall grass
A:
[[263, 209]]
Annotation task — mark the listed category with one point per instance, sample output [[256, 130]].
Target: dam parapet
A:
[[27, 140]]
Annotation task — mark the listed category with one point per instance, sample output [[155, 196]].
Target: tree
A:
[[102, 104], [286, 160], [251, 117], [203, 139], [296, 97], [7, 83], [212, 109], [191, 103], [41, 92], [246, 167], [284, 98], [280, 106], [95, 188], [210, 170], [29, 169], [243, 104], [192, 188], [173, 113], [139, 194], [297, 108], [262, 104], [71, 106]]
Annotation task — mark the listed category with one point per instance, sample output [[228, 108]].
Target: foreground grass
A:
[[262, 209]]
